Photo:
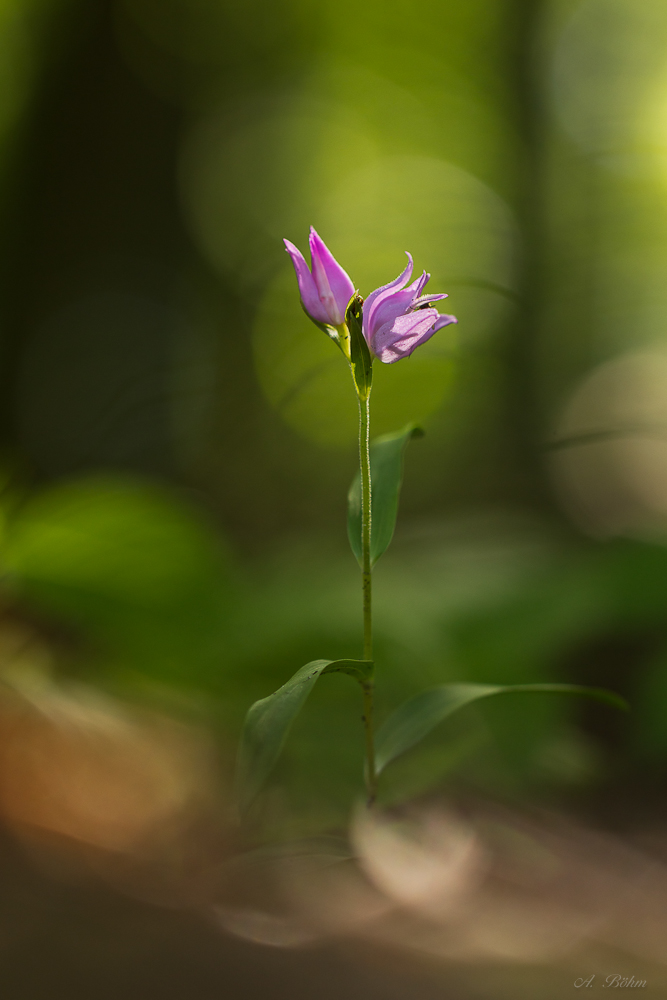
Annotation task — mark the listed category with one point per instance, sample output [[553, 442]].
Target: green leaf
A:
[[138, 571], [418, 716], [360, 356], [386, 478], [269, 720]]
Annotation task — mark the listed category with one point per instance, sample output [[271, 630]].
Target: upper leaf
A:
[[269, 720], [386, 478], [360, 355], [418, 716]]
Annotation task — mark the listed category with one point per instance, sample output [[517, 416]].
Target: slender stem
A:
[[366, 587], [366, 579], [371, 774]]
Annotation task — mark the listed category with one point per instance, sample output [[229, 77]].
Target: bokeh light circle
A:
[[253, 175], [610, 469], [610, 84]]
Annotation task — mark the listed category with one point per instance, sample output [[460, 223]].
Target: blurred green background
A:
[[178, 439]]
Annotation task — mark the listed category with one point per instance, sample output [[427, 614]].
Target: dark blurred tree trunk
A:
[[94, 213], [527, 71]]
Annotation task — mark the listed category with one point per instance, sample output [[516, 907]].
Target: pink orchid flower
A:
[[326, 292], [397, 319]]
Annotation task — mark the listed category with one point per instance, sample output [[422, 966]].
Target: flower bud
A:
[[326, 289]]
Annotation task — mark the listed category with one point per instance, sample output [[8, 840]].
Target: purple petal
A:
[[392, 303], [333, 283], [444, 319], [307, 288], [399, 339], [372, 298], [387, 307], [421, 283], [425, 299]]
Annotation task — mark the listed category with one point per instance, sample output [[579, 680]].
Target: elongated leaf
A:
[[360, 355], [386, 478], [269, 720], [418, 716]]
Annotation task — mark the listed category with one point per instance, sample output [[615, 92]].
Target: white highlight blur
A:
[[611, 467], [429, 865], [494, 885]]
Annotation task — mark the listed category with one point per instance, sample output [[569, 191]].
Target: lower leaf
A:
[[269, 721], [418, 716]]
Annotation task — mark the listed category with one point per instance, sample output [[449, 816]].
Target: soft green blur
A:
[[179, 439]]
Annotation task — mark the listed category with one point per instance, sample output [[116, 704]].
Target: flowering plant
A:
[[388, 326]]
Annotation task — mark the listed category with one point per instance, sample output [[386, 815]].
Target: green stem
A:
[[365, 464], [366, 585], [370, 772]]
